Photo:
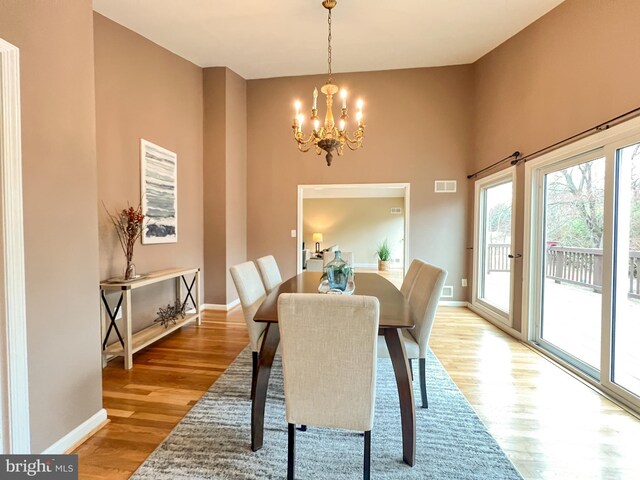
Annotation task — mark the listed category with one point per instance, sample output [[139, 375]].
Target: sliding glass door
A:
[[625, 362], [583, 281], [571, 287], [493, 245]]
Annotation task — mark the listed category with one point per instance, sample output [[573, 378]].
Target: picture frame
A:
[[159, 189]]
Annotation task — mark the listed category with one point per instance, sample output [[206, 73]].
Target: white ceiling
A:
[[263, 38]]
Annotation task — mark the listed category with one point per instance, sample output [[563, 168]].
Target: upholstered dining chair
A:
[[269, 272], [329, 364], [251, 293], [410, 277], [423, 297]]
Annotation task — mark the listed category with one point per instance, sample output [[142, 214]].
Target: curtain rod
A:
[[515, 155], [517, 158]]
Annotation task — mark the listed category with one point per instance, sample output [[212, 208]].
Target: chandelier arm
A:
[[300, 139], [302, 146], [357, 139]]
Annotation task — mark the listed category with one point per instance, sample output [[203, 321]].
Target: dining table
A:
[[395, 315]]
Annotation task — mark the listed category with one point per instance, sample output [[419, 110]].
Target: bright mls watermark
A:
[[51, 467]]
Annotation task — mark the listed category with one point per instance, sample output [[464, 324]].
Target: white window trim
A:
[[492, 314], [14, 398]]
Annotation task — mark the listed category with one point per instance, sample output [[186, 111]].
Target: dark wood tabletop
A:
[[394, 310]]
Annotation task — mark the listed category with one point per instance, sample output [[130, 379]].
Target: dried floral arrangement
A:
[[129, 224], [169, 315]]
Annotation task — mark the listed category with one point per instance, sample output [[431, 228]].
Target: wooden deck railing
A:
[[577, 266]]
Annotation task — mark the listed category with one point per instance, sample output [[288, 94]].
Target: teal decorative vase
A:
[[338, 272]]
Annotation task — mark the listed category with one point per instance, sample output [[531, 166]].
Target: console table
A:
[[129, 343]]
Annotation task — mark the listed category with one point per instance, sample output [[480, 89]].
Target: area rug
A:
[[213, 440]]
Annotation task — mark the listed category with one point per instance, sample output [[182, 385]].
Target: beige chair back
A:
[[252, 293], [269, 272], [423, 300], [410, 277], [329, 351]]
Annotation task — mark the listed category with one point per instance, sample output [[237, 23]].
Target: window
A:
[[493, 258]]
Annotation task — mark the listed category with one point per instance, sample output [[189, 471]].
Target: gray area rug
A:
[[213, 440]]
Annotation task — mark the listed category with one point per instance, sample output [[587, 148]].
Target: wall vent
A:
[[446, 186], [396, 210], [447, 292]]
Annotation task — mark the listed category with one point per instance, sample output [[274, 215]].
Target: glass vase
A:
[[130, 270], [338, 272]]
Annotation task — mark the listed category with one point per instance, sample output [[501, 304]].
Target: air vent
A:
[[396, 210], [447, 292], [446, 186]]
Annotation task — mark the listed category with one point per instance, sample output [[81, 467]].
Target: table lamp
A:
[[317, 237]]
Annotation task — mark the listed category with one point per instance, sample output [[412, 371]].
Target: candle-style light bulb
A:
[[343, 94], [342, 125], [297, 105], [316, 124], [315, 99], [300, 120], [359, 117], [360, 104]]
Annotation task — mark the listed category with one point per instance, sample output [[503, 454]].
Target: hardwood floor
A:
[[550, 424], [146, 402]]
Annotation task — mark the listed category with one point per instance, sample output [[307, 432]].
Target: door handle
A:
[[517, 255]]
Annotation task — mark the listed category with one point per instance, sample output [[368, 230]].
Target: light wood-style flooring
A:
[[167, 379], [550, 424]]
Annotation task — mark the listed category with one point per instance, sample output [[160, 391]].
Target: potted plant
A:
[[384, 256]]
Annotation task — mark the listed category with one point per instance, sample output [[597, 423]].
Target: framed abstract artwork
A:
[[159, 174]]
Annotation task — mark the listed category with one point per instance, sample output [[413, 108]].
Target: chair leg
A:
[[367, 455], [423, 382], [291, 459], [411, 367], [254, 372]]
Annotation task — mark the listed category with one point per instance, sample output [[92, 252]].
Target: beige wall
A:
[[214, 173], [574, 68], [60, 212], [418, 130], [145, 91], [225, 177], [236, 175], [357, 225]]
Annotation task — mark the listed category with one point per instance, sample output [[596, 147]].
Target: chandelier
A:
[[328, 137]]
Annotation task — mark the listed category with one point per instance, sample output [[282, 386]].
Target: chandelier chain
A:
[[329, 48]]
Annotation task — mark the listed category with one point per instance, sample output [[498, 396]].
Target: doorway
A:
[[572, 203], [14, 391], [357, 218], [583, 258]]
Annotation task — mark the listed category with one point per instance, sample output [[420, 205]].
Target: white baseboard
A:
[[78, 434], [221, 307], [452, 303]]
